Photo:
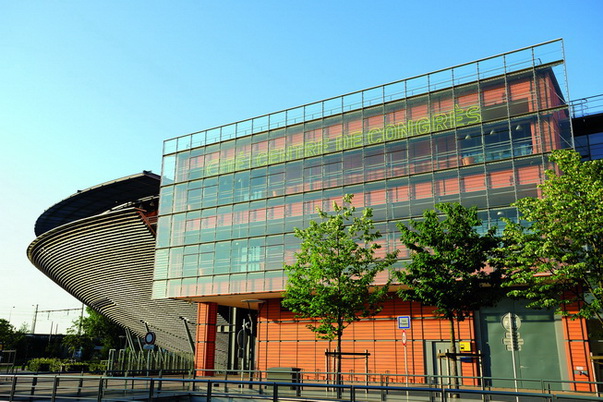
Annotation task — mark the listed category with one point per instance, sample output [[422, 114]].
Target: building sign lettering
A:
[[458, 117]]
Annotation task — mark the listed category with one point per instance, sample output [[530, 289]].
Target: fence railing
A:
[[414, 380], [126, 362], [103, 388], [587, 106]]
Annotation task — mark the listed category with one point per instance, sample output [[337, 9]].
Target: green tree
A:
[[332, 278], [78, 342], [94, 329], [555, 257], [10, 337], [448, 267]]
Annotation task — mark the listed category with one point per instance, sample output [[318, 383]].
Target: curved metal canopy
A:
[[98, 199]]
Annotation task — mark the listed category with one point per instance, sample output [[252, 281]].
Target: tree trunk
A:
[[452, 359], [338, 369]]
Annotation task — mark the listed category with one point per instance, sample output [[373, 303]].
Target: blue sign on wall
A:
[[404, 322]]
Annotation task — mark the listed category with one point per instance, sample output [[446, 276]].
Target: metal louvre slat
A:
[[107, 262]]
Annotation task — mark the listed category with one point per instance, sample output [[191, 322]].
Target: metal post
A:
[[79, 328], [151, 386], [191, 341], [13, 387], [327, 366], [55, 385], [100, 389], [34, 382], [33, 324], [405, 363], [513, 347], [129, 340], [366, 367]]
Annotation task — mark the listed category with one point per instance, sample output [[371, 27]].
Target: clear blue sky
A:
[[90, 89]]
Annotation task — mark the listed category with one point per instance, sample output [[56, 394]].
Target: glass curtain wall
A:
[[476, 134]]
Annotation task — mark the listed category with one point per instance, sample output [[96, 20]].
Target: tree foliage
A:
[[555, 258], [10, 337], [93, 329], [332, 278], [448, 264]]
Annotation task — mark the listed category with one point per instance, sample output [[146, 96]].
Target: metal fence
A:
[[413, 380], [126, 362], [104, 388]]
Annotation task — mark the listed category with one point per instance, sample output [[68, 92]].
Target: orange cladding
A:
[[205, 349], [284, 341], [577, 350]]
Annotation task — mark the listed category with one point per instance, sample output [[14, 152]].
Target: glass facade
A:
[[476, 133]]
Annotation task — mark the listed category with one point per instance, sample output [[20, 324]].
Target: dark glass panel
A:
[[497, 142], [446, 186], [398, 198], [352, 167], [445, 150], [421, 193], [313, 174], [374, 163], [501, 184], [375, 197], [524, 136], [473, 187], [294, 177], [396, 155], [332, 170], [419, 154], [470, 145]]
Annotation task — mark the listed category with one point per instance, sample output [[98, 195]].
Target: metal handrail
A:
[[368, 379], [100, 388]]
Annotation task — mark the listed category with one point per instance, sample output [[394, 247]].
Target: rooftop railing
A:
[[587, 106]]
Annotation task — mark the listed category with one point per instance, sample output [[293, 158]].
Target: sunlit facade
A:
[[478, 134]]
